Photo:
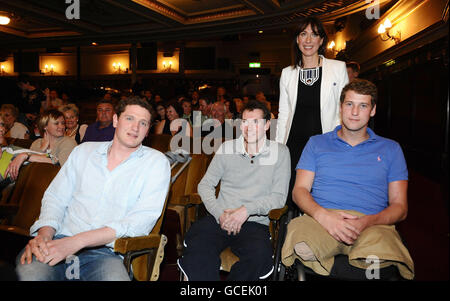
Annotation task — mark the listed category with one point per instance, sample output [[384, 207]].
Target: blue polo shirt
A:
[[353, 178], [95, 133]]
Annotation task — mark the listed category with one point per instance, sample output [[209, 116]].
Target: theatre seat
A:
[[22, 208], [143, 255], [24, 143], [158, 142], [24, 204], [276, 217]]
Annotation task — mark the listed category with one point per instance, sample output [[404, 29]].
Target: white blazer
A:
[[334, 78]]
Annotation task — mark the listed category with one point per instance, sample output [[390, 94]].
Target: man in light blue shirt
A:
[[106, 190]]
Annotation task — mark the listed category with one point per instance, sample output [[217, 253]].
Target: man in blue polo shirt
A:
[[352, 186], [102, 129]]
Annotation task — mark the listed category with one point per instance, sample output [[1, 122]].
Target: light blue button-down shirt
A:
[[85, 195]]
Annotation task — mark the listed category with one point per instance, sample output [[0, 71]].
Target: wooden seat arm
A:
[[276, 214], [125, 245], [190, 199], [15, 230]]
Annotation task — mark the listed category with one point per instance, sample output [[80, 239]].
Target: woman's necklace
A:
[[309, 76], [73, 131]]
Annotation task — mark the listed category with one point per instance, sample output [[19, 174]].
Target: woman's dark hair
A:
[[317, 28], [232, 106], [176, 105]]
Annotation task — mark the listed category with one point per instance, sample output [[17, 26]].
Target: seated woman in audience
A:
[[173, 123], [161, 110], [3, 141], [159, 116], [231, 112], [73, 129], [53, 148]]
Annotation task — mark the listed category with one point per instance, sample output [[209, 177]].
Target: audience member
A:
[[259, 96], [187, 109], [3, 141], [73, 129], [221, 93], [239, 104], [13, 128], [32, 100], [195, 96], [231, 111], [91, 202], [52, 100], [102, 129], [205, 104], [53, 147], [217, 126], [352, 70], [254, 176], [174, 124]]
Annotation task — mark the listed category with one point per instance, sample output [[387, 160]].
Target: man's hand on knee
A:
[[59, 249], [38, 246], [234, 219], [338, 224]]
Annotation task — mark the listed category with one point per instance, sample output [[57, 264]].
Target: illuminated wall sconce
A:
[[331, 45], [167, 66], [4, 18], [385, 35], [117, 67], [48, 69], [332, 48], [2, 68]]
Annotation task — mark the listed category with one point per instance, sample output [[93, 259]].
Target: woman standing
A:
[[309, 91]]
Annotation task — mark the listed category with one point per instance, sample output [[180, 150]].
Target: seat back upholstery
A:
[[141, 263], [158, 142], [187, 182], [32, 182], [25, 143]]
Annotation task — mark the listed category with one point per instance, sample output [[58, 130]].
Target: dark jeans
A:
[[205, 241]]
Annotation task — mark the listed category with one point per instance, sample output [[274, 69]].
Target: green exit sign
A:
[[254, 65]]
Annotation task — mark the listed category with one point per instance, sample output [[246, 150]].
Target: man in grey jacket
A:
[[254, 175]]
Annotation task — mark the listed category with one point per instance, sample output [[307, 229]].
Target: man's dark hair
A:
[[256, 105], [317, 28], [132, 100], [363, 87], [105, 101]]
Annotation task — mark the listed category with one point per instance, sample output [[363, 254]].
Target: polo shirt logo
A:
[[378, 159]]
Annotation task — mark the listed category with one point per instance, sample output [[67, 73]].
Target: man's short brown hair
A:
[[133, 100], [363, 87]]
